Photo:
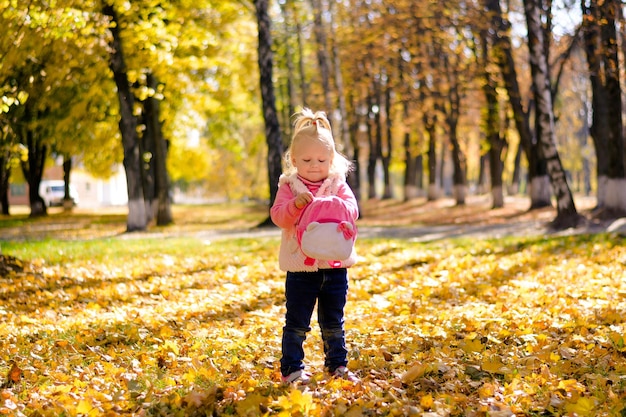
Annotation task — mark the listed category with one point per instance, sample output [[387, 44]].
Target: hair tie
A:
[[314, 122]]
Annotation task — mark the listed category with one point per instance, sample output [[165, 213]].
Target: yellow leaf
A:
[[487, 390], [427, 402], [201, 398], [571, 385], [171, 346], [473, 345], [61, 343], [414, 372], [24, 319], [84, 407], [165, 332], [493, 364], [190, 376], [297, 401], [251, 405], [583, 407], [618, 341], [354, 411], [22, 96]]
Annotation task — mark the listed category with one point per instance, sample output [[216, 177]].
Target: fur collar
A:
[[330, 186]]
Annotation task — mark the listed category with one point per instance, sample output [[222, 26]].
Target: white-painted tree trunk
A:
[[603, 182], [540, 191], [136, 215], [411, 192], [433, 192], [616, 194]]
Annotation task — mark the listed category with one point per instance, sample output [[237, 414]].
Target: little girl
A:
[[313, 168]]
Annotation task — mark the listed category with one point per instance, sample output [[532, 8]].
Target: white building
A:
[[97, 192]]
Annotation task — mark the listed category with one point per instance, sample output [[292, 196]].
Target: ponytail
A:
[[307, 118]]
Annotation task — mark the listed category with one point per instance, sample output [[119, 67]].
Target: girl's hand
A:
[[303, 199]]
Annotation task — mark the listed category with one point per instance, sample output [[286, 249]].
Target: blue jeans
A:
[[329, 288]]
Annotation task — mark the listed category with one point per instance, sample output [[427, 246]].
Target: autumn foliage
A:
[[167, 325]]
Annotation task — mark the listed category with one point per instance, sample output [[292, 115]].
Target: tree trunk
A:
[[433, 190], [567, 215], [373, 132], [429, 120], [599, 129], [503, 52], [606, 129], [159, 160], [410, 172], [304, 86], [496, 166], [444, 183], [147, 152], [354, 178], [410, 163], [323, 60], [272, 127], [289, 15], [492, 128], [137, 219], [482, 183], [516, 178], [458, 158], [5, 175], [32, 168], [345, 145], [419, 168], [458, 176], [33, 172], [68, 203], [386, 150]]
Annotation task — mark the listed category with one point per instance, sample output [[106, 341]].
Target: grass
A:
[[83, 224]]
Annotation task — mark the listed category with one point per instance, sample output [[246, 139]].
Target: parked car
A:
[[53, 191]]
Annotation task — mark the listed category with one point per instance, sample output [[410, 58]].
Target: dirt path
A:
[[424, 221], [417, 219]]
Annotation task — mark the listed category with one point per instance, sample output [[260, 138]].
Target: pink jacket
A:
[[285, 215]]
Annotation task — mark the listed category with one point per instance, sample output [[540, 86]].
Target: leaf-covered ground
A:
[[169, 325]]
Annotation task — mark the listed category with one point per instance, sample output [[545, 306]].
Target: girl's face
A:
[[312, 159]]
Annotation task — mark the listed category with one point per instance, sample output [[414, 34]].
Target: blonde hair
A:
[[315, 126]]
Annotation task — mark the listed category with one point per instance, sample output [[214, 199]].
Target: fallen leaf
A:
[[427, 402], [583, 407], [13, 376], [473, 345], [475, 373], [493, 364], [414, 372]]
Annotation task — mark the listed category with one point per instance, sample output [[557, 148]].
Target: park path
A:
[[417, 220], [430, 221], [420, 233]]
